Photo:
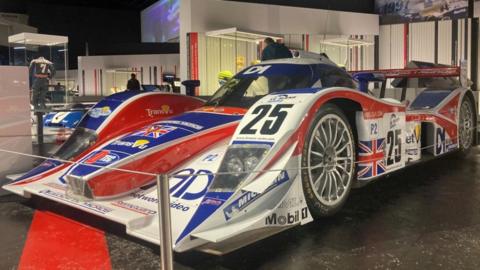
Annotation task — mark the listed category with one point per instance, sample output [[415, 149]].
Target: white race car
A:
[[280, 144]]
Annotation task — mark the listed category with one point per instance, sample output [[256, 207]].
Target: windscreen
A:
[[250, 85], [78, 142]]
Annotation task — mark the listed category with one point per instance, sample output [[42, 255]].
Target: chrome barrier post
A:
[[39, 114], [164, 222]]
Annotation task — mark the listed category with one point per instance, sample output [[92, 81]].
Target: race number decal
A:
[[394, 147], [272, 122]]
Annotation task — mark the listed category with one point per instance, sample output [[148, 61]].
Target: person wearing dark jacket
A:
[[133, 83], [275, 50]]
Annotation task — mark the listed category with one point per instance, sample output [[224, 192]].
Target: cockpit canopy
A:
[[254, 82]]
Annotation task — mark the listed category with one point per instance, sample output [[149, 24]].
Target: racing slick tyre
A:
[[466, 125], [328, 161]]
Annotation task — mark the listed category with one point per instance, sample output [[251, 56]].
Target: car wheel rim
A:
[[466, 125], [330, 159]]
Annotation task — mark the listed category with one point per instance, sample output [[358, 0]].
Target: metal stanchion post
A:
[[164, 222], [40, 132]]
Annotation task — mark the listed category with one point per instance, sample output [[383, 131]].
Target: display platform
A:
[[423, 218]]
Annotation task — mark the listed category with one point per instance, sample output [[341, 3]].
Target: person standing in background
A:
[[133, 83], [275, 50]]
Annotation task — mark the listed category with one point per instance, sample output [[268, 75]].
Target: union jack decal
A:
[[370, 158], [155, 131]]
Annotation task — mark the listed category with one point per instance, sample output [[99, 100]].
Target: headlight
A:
[[239, 161], [234, 165]]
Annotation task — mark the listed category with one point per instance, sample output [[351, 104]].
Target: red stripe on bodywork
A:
[[56, 242], [134, 117], [113, 182], [450, 127], [371, 108], [405, 44], [450, 109]]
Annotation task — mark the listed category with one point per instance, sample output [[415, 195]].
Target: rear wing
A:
[[366, 76]]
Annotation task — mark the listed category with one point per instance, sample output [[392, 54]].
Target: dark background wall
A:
[[113, 27], [95, 26]]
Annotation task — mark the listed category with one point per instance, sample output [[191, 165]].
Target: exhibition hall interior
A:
[[230, 134]]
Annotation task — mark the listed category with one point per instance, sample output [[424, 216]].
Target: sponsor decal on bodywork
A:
[[280, 98], [210, 158], [174, 205], [155, 131], [164, 110], [371, 158], [183, 123], [192, 185], [291, 202], [134, 208], [103, 157], [413, 141], [248, 197], [140, 144], [444, 143], [287, 219], [100, 112], [89, 205]]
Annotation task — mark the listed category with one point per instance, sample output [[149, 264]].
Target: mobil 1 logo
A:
[[288, 219]]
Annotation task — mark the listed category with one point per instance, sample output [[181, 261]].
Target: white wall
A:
[[15, 124], [91, 64], [421, 43], [207, 15], [391, 46], [445, 42]]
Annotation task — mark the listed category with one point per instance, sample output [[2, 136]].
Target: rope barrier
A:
[[195, 174]]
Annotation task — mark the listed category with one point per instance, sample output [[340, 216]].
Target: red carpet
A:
[[55, 242]]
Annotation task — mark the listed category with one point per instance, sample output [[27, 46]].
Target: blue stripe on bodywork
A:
[[110, 158], [99, 113], [45, 166], [298, 91], [429, 99], [252, 142], [155, 135], [248, 197], [210, 203]]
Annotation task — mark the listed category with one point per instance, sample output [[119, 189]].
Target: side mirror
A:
[[190, 86]]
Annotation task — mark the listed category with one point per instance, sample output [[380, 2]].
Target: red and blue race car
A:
[[279, 144]]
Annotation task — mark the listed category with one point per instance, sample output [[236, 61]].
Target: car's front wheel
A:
[[328, 161]]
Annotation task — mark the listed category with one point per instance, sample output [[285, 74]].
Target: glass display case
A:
[[116, 80], [227, 51], [25, 47], [223, 51]]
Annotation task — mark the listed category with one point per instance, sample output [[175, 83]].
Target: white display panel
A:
[[15, 120]]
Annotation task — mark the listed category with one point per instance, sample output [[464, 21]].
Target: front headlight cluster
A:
[[239, 161]]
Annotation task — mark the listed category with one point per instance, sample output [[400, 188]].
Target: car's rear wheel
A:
[[466, 125], [328, 161]]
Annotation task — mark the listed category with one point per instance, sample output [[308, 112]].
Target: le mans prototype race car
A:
[[279, 144]]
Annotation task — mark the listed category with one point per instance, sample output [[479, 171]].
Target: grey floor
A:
[[427, 217]]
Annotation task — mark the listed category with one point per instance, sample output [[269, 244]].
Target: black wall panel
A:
[[84, 24]]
